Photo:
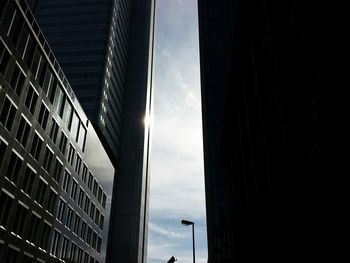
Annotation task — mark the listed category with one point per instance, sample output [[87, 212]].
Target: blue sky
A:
[[177, 176]]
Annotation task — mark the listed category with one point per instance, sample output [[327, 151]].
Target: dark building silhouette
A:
[[274, 81], [105, 48], [56, 179]]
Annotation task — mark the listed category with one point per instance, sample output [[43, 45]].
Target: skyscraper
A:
[[55, 176], [105, 48], [270, 73]]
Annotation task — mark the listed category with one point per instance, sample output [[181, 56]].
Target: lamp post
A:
[[187, 223]]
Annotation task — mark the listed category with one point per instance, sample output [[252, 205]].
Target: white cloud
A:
[[165, 52], [165, 232]]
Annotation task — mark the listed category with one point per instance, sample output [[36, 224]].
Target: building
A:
[[55, 176], [272, 76], [105, 48]]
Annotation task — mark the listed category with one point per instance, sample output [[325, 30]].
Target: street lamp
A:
[[187, 223]]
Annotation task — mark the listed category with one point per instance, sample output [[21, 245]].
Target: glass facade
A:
[[216, 35], [268, 78], [45, 140]]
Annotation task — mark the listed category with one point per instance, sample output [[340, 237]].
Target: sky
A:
[[177, 176]]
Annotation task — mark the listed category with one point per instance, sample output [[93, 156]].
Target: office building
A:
[[271, 83], [55, 175], [105, 48]]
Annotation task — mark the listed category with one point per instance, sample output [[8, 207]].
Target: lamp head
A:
[[186, 222]]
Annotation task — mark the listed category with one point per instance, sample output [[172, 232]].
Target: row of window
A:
[[39, 231], [65, 251], [28, 181], [87, 177], [13, 255], [75, 223], [63, 248], [89, 208]]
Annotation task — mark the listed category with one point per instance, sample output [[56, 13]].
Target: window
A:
[[94, 237], [61, 210], [88, 237], [80, 197], [20, 219], [95, 188], [40, 76], [33, 229], [90, 180], [58, 99], [4, 58], [66, 181], [28, 259], [86, 257], [64, 250], [81, 136], [73, 192], [44, 236], [99, 241], [92, 211], [23, 132], [71, 154], [101, 222], [54, 130], [29, 51], [80, 255], [23, 40], [31, 99], [14, 167], [36, 146], [97, 216], [104, 197], [78, 164], [17, 80], [69, 218], [76, 224], [87, 204], [12, 255], [67, 112], [83, 230], [16, 26], [57, 171], [84, 174], [28, 181], [74, 125], [52, 201], [47, 81], [48, 157], [99, 194], [73, 252], [40, 194], [63, 143], [5, 208], [55, 242], [8, 17], [43, 116], [8, 113], [3, 147], [36, 62]]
